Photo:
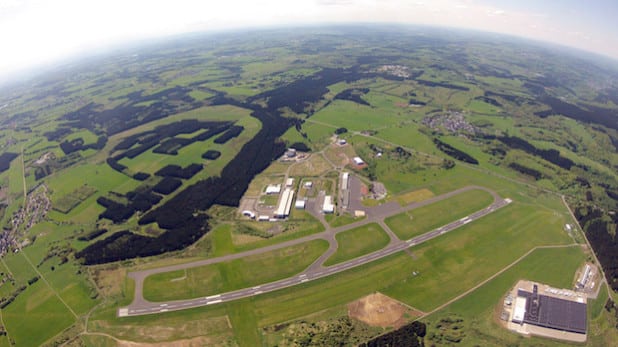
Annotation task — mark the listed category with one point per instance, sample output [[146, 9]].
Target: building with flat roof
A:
[[285, 204], [584, 277], [358, 161], [273, 189], [289, 182], [328, 206], [519, 310], [552, 312], [300, 204], [345, 178]]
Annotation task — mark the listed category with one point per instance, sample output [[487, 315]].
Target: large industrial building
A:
[[285, 204], [556, 313]]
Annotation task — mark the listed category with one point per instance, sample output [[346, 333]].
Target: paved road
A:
[[140, 306]]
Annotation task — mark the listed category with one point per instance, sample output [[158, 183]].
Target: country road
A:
[[377, 214]]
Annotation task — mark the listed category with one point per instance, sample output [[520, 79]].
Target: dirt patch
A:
[[109, 281], [381, 311]]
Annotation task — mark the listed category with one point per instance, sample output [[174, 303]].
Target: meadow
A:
[[358, 241], [412, 223], [236, 274]]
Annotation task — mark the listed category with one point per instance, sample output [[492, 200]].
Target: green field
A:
[[553, 266], [232, 275], [36, 316], [341, 220], [358, 241], [415, 222], [258, 79]]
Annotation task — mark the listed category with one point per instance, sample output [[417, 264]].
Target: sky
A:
[[37, 32]]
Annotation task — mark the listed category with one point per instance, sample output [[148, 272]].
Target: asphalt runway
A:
[[140, 306]]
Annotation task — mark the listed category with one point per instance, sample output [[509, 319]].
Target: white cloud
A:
[[36, 31]]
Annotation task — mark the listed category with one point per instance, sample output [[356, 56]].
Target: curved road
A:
[[141, 306]]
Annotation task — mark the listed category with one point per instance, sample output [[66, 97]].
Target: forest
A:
[[410, 335], [180, 215], [600, 231], [454, 152]]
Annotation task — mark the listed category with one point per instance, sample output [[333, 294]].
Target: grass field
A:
[[414, 196], [358, 241], [151, 162], [237, 274], [212, 323], [66, 203], [409, 224], [316, 165], [335, 220], [555, 267], [36, 316], [471, 253]]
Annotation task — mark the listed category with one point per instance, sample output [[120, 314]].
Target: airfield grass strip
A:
[[467, 292]]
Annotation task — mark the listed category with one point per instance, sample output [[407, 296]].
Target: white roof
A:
[[300, 203], [520, 309], [285, 203], [328, 205], [248, 213], [358, 160], [273, 189]]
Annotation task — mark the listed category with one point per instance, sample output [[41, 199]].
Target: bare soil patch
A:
[[379, 310], [109, 281]]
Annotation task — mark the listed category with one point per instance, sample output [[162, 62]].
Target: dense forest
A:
[[180, 216], [454, 152], [601, 232], [410, 335]]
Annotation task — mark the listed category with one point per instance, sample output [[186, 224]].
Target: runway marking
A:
[[306, 277]]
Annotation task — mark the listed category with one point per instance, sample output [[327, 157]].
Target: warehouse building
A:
[[545, 311], [328, 206], [289, 183], [273, 189], [300, 204], [285, 204]]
